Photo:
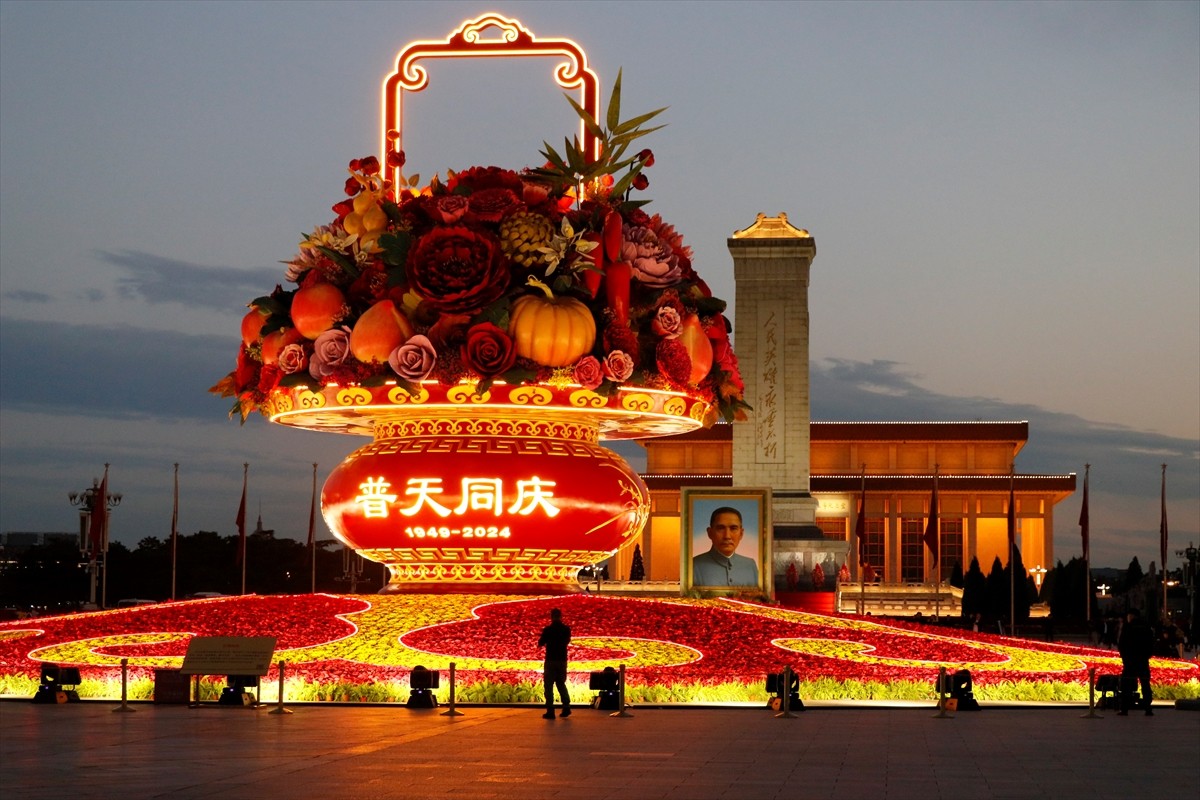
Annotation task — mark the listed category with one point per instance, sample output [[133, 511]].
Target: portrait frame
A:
[[696, 505]]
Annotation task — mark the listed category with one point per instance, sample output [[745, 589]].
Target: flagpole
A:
[[242, 524], [312, 530], [860, 529], [935, 517], [104, 538], [1012, 549], [1084, 526], [174, 531], [1162, 539]]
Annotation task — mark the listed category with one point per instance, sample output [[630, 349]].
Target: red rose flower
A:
[[448, 209], [488, 350], [457, 270], [587, 372]]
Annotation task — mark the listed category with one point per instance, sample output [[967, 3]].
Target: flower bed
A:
[[362, 648]]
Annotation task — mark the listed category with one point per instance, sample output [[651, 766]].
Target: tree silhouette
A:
[[975, 591], [637, 570], [997, 591]]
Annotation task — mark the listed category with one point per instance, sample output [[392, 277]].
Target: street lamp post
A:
[[1190, 556], [1039, 573], [94, 505]]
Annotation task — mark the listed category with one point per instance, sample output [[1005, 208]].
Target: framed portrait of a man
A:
[[726, 540]]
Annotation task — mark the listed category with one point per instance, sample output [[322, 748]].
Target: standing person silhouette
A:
[[1136, 645], [555, 638]]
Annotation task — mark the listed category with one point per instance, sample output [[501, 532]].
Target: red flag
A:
[[175, 512], [96, 517], [1083, 517], [241, 517], [860, 527], [312, 512], [1162, 525], [931, 526], [1012, 517]]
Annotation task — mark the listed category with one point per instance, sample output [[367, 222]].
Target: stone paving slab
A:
[[85, 750]]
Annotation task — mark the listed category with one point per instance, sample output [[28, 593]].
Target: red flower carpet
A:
[[340, 647]]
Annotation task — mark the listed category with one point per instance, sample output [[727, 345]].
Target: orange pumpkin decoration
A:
[[554, 331]]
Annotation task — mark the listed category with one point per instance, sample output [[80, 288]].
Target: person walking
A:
[[1135, 645], [555, 638]]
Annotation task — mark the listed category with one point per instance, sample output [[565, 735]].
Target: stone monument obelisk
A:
[[771, 261]]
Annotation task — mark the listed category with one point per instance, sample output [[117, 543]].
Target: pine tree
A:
[[975, 599], [637, 571], [956, 576], [997, 591]]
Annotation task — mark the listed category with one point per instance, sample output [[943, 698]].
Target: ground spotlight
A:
[[958, 686], [54, 684], [607, 683], [235, 692], [422, 682], [776, 683]]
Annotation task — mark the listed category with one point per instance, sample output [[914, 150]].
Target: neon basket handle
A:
[[468, 42]]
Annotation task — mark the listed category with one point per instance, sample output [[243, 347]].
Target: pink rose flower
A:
[[292, 358], [448, 209], [618, 366], [414, 359], [588, 373], [330, 350], [667, 322]]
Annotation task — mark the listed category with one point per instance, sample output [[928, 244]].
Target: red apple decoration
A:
[[379, 331], [252, 325], [274, 342], [315, 308], [698, 346]]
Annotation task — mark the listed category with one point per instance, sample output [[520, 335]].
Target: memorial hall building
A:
[[893, 462]]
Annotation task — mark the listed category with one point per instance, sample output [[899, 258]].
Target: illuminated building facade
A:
[[895, 461]]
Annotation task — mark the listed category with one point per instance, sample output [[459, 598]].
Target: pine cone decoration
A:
[[521, 234]]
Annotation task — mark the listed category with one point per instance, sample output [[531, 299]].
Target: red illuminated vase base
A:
[[486, 502]]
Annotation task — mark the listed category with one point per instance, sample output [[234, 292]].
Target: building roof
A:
[[919, 431], [974, 431], [1061, 486]]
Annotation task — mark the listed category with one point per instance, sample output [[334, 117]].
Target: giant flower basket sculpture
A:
[[487, 331]]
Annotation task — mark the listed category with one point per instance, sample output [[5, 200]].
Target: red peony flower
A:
[[646, 157], [477, 179], [488, 350], [674, 361], [457, 270], [491, 205], [641, 182], [396, 158]]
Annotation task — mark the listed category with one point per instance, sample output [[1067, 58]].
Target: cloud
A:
[[112, 370], [157, 279], [21, 296]]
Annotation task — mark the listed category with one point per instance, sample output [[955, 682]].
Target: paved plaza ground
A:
[[85, 750]]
